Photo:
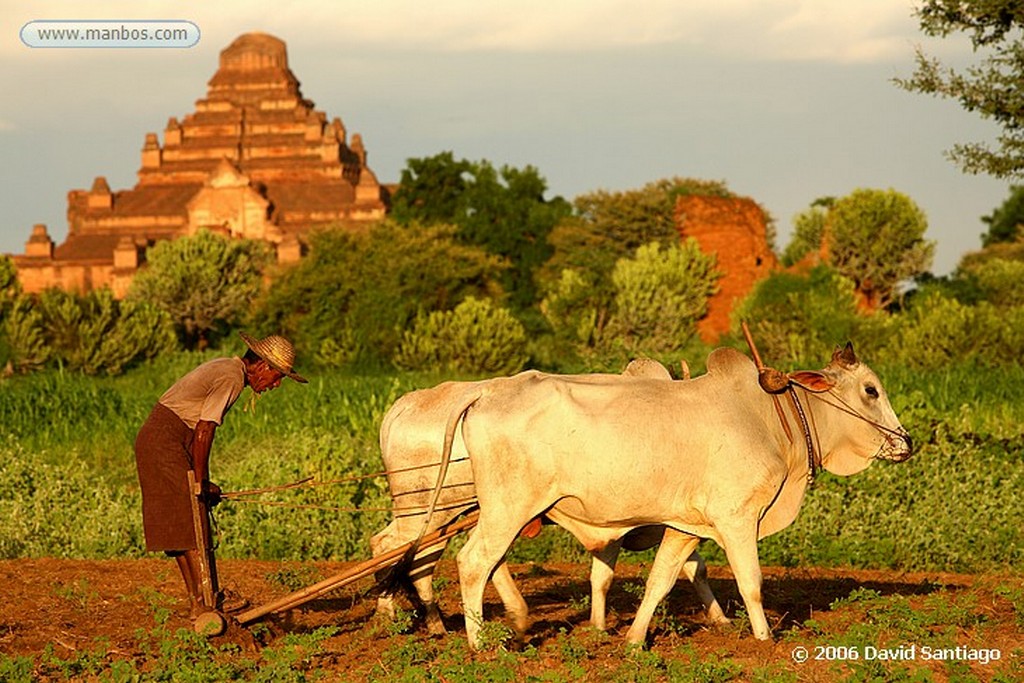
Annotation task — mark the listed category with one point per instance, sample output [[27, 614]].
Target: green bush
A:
[[999, 280], [350, 300], [571, 311], [475, 337], [660, 294], [937, 331], [91, 333], [22, 345], [799, 318], [205, 282]]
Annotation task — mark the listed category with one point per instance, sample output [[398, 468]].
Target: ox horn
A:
[[845, 356]]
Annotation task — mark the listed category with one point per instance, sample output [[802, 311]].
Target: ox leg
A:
[[380, 544], [668, 562], [484, 551], [421, 575], [602, 571], [741, 550], [697, 572], [513, 600]]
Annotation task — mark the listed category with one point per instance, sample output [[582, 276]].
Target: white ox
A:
[[411, 439], [708, 458]]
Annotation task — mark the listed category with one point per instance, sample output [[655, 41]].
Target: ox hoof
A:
[[209, 624], [436, 628]]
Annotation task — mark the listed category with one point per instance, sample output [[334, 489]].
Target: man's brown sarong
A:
[[163, 456]]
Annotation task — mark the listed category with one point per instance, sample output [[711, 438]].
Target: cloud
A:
[[818, 30]]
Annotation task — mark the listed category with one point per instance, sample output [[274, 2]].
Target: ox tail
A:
[[454, 419]]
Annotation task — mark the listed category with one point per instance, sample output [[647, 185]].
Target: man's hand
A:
[[211, 494]]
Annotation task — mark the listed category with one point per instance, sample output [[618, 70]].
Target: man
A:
[[177, 437]]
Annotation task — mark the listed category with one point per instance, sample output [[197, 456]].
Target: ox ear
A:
[[845, 357], [815, 382]]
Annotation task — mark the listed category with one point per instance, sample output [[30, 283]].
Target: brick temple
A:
[[255, 160], [735, 230]]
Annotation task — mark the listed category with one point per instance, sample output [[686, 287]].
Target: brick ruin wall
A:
[[735, 230]]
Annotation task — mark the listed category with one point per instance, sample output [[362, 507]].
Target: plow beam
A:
[[361, 570]]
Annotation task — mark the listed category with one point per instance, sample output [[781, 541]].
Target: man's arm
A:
[[202, 442]]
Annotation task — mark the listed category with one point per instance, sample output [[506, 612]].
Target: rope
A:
[[399, 512], [309, 482]]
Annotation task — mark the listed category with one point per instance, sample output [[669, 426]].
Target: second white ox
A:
[[411, 439], [708, 458]]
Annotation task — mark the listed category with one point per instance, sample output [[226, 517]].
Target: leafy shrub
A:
[[798, 318], [205, 282], [570, 309], [876, 239], [660, 294], [999, 280], [475, 337], [937, 330], [91, 333], [94, 333], [351, 299], [22, 345]]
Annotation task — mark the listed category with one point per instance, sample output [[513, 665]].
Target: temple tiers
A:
[[255, 160]]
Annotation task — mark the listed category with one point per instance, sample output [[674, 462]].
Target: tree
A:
[[607, 227], [797, 317], [502, 210], [808, 231], [205, 282], [876, 239], [610, 225], [352, 297], [657, 297], [10, 288], [431, 190], [95, 333], [1006, 224], [991, 88]]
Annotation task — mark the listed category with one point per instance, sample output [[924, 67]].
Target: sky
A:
[[785, 101]]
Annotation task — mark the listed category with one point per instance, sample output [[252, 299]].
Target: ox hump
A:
[[726, 361]]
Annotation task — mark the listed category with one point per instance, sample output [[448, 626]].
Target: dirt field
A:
[[74, 607]]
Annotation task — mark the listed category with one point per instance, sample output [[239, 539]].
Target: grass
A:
[[68, 487]]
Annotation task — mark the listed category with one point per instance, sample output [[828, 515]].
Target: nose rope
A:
[[889, 434], [845, 407]]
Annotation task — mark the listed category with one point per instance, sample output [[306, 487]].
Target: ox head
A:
[[855, 412]]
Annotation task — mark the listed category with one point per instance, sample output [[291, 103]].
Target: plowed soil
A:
[[66, 607]]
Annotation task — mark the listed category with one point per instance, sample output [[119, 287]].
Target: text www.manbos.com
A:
[[169, 33]]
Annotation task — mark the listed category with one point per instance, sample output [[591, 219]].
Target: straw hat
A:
[[277, 351]]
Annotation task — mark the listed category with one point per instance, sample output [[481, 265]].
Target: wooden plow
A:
[[361, 570], [214, 622]]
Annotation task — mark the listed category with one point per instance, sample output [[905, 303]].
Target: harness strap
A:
[[774, 382], [813, 459]]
